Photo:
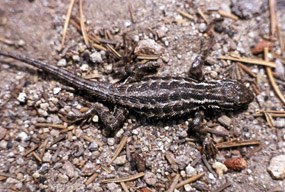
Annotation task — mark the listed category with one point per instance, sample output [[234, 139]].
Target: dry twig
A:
[[68, 15]]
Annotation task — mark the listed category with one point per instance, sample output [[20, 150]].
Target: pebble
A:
[[214, 74], [56, 90], [23, 136], [277, 167], [62, 63], [84, 67], [279, 123], [190, 171], [62, 178], [75, 58], [246, 9], [93, 146], [47, 157], [95, 119], [148, 46], [150, 178], [127, 23], [111, 141], [121, 160], [202, 27], [220, 168], [114, 187], [42, 112], [69, 169], [96, 57], [3, 133], [225, 120], [22, 97], [188, 187], [135, 132]]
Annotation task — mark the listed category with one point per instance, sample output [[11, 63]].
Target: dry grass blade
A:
[[271, 79], [124, 179], [147, 57], [280, 39], [222, 187], [269, 119], [184, 14], [174, 183], [249, 60], [56, 126], [31, 150], [124, 186], [115, 53], [200, 12], [228, 15], [68, 15], [246, 69], [119, 149], [270, 111], [230, 144], [189, 180], [82, 25], [91, 179], [37, 157], [272, 17]]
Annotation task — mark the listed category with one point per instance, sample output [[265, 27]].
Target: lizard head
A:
[[237, 93]]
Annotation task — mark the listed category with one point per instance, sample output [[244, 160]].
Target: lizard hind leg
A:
[[196, 126], [112, 121]]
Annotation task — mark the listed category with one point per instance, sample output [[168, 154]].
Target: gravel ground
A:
[[75, 158]]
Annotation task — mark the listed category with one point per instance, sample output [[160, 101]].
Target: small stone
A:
[[76, 58], [62, 178], [93, 146], [277, 167], [225, 120], [220, 168], [190, 171], [245, 9], [279, 123], [188, 187], [127, 23], [221, 129], [47, 157], [56, 90], [150, 178], [42, 112], [36, 175], [69, 169], [135, 132], [95, 57], [21, 43], [214, 74], [22, 97], [23, 136], [111, 141], [62, 63], [121, 160], [114, 187], [3, 133], [202, 27], [95, 119], [84, 67], [148, 46]]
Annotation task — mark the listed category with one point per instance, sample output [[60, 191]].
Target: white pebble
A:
[[22, 97], [62, 63], [56, 90]]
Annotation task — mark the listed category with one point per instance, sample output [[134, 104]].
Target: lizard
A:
[[152, 97]]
